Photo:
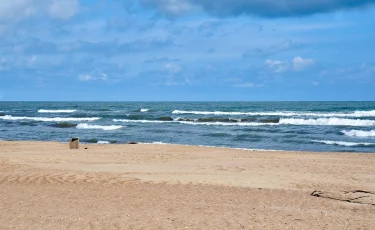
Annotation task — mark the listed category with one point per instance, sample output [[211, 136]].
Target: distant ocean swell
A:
[[216, 121]]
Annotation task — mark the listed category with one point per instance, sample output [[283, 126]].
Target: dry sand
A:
[[48, 186]]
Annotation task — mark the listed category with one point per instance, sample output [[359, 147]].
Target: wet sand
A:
[[46, 185]]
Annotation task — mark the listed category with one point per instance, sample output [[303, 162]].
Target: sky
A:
[[187, 50]]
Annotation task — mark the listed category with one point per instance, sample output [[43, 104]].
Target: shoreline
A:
[[47, 185], [187, 145], [205, 160]]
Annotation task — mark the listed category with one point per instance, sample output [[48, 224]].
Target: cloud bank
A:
[[297, 64], [17, 10], [262, 8]]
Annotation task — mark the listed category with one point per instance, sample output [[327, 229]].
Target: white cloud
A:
[[245, 85], [63, 9], [276, 65], [171, 7], [263, 8], [300, 63], [15, 9], [2, 63], [297, 64], [85, 77], [173, 68], [12, 11], [104, 77], [287, 45], [93, 77], [33, 59]]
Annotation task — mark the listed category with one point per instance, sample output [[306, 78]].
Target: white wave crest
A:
[[144, 110], [326, 121], [281, 113], [359, 133], [49, 119], [159, 143], [197, 123], [139, 121], [155, 143], [56, 111], [103, 142], [227, 123], [343, 143], [106, 128], [365, 113], [235, 113]]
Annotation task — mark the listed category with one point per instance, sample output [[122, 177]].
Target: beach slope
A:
[[46, 185]]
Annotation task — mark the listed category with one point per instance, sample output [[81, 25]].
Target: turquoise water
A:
[[306, 126]]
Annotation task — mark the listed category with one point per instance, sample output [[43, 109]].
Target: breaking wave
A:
[[55, 111], [343, 143], [139, 121], [244, 122], [282, 113], [106, 128], [196, 123], [226, 123], [327, 121], [49, 119], [359, 133], [235, 113], [103, 142], [144, 110]]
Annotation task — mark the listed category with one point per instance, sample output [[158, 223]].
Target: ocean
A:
[[299, 126]]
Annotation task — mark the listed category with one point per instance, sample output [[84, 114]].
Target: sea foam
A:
[[281, 113], [227, 123], [155, 143], [327, 121], [196, 123], [343, 143], [103, 142], [359, 133], [139, 121], [283, 121], [49, 119], [236, 113], [55, 111], [106, 128], [144, 110]]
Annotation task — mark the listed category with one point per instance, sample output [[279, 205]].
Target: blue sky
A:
[[168, 50]]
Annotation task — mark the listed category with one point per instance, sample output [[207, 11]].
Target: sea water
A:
[[300, 126]]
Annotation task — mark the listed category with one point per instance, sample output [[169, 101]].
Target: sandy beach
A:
[[46, 185]]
